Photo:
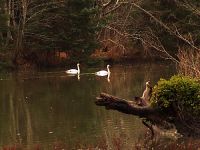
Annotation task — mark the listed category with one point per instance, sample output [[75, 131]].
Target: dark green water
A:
[[42, 110]]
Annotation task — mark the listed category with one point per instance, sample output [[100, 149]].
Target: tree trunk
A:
[[19, 25]]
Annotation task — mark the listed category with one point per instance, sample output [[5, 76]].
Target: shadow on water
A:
[[43, 110]]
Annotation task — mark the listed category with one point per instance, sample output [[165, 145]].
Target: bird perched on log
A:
[[144, 100], [147, 92]]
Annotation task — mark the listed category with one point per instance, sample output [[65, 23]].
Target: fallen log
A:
[[147, 113], [130, 107], [174, 104], [122, 105]]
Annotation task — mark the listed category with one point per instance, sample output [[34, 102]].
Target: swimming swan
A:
[[74, 71], [103, 72]]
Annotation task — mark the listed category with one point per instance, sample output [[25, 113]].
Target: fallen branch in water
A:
[[174, 103], [149, 114], [129, 107], [122, 105]]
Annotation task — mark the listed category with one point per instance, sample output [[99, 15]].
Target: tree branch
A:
[[128, 107], [166, 27]]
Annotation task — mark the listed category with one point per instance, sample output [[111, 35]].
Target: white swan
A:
[[74, 71], [103, 72]]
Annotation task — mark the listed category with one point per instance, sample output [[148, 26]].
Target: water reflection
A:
[[41, 109], [108, 77], [77, 75]]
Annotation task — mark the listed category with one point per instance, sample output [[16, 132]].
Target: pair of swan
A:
[[99, 73]]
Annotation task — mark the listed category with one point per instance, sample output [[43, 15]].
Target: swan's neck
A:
[[108, 70]]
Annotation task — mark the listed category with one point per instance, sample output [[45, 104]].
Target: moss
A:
[[180, 94]]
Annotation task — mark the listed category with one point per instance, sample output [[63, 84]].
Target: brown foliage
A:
[[189, 63]]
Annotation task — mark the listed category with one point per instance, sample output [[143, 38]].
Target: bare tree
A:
[[125, 28]]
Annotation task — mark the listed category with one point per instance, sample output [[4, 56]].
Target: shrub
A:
[[180, 94]]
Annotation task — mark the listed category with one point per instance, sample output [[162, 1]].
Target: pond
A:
[[49, 109]]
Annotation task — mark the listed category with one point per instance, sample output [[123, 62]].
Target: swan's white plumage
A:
[[103, 72], [74, 71]]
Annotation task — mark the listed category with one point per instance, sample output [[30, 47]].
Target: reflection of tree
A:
[[20, 114], [13, 116], [10, 123], [120, 132]]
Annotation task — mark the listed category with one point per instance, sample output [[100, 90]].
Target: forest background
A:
[[50, 33]]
